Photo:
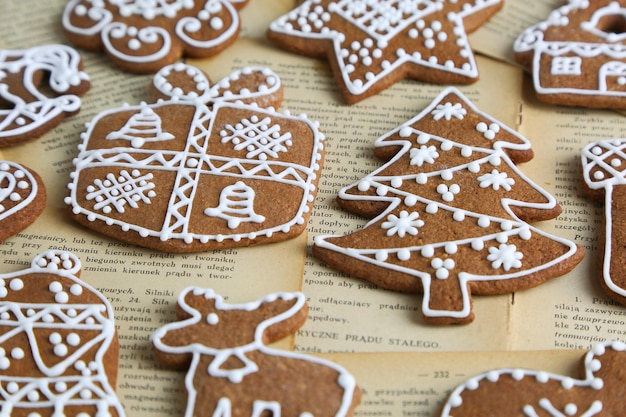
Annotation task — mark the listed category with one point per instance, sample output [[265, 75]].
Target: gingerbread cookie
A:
[[599, 392], [578, 55], [22, 198], [232, 371], [603, 164], [142, 37], [215, 166], [26, 110], [451, 213], [371, 45], [58, 344]]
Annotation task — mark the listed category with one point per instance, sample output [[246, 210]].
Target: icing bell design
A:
[[207, 166]]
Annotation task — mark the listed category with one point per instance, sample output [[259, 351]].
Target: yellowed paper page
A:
[[570, 312], [348, 314], [417, 384]]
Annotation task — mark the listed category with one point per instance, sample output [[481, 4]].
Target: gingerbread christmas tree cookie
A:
[[371, 45], [58, 343], [451, 214], [205, 167], [232, 371]]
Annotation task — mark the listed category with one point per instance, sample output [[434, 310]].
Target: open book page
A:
[[417, 384], [496, 37], [572, 311], [348, 314]]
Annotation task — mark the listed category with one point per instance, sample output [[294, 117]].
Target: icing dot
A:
[[458, 216], [16, 284], [55, 287], [483, 221], [381, 255], [60, 387], [571, 409], [33, 396], [76, 289], [12, 387], [428, 251], [404, 254], [478, 244], [60, 350], [73, 339], [55, 338], [61, 297], [212, 319], [17, 353]]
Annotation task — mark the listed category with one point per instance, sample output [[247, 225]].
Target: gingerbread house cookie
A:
[[451, 214], [58, 343], [577, 56], [205, 167], [27, 108], [598, 392], [371, 45], [232, 371], [143, 36]]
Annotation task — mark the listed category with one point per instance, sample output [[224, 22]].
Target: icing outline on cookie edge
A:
[[93, 375], [532, 39], [314, 15], [502, 259], [236, 376]]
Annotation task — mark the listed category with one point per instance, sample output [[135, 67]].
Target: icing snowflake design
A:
[[448, 111], [117, 192], [423, 154], [496, 179], [505, 256], [258, 136], [431, 33], [161, 30], [405, 223]]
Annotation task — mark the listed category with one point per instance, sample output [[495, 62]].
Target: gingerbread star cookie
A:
[[598, 392], [604, 173], [451, 213], [371, 45], [39, 87], [142, 36], [577, 56], [232, 371], [22, 198], [205, 167], [58, 343]]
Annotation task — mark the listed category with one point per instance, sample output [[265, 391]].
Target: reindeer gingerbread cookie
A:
[[599, 392], [232, 371], [58, 343], [604, 165], [26, 111], [215, 166]]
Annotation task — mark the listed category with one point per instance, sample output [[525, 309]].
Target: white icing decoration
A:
[[423, 154], [600, 157], [197, 159], [238, 381], [259, 137], [564, 56], [180, 28], [236, 206], [483, 229], [405, 223], [448, 111], [383, 25], [20, 116], [13, 177], [578, 404], [140, 128], [29, 320], [117, 192]]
